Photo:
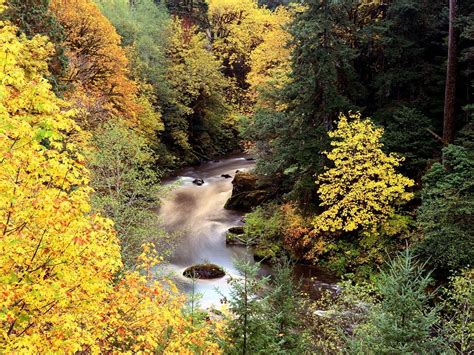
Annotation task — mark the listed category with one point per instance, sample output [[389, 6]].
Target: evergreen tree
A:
[[286, 306], [447, 209], [403, 321], [253, 328], [323, 82]]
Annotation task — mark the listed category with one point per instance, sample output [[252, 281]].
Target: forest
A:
[[237, 176]]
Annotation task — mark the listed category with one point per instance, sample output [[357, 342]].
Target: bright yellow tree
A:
[[237, 27], [56, 259], [270, 62], [362, 189]]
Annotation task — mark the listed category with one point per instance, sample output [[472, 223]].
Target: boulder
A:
[[204, 271], [226, 176], [250, 190], [236, 230], [198, 182], [236, 236]]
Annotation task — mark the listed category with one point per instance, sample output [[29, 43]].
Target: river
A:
[[197, 215]]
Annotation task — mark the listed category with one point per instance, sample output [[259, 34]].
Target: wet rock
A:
[[250, 191], [236, 230], [250, 159], [198, 182], [237, 236], [226, 176], [217, 161], [204, 271]]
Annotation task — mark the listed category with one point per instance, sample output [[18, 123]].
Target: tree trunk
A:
[[450, 88]]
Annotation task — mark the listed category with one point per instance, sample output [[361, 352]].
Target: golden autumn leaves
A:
[[58, 261], [362, 188]]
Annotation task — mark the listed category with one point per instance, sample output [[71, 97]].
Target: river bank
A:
[[196, 214]]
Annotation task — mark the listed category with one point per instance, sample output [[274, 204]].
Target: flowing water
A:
[[197, 215]]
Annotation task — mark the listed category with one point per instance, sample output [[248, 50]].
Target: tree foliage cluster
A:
[[68, 281], [388, 61], [99, 98]]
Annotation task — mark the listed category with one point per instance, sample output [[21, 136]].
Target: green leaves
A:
[[446, 213]]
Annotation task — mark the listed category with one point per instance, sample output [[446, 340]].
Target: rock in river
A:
[[198, 182], [204, 271], [251, 190], [226, 176]]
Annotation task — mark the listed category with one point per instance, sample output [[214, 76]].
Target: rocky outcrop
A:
[[250, 191], [237, 230], [204, 271]]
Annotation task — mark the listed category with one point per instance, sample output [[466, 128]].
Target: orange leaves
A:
[[98, 66]]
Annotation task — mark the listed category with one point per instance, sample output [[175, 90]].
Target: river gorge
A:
[[196, 214]]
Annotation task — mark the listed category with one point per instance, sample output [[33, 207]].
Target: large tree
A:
[[450, 86]]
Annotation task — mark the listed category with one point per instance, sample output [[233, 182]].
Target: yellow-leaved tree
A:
[[270, 63], [98, 69], [58, 260], [237, 27], [362, 189], [199, 112]]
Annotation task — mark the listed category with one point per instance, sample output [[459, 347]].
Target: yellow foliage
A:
[[57, 259], [363, 188], [270, 62], [237, 28], [98, 67], [198, 84], [143, 316]]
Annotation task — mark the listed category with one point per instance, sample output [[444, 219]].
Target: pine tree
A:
[[446, 212], [286, 306], [403, 321], [252, 328]]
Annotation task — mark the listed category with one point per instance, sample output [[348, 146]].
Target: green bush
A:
[[126, 187]]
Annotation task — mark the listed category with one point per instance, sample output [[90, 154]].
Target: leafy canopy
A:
[[362, 188], [56, 259]]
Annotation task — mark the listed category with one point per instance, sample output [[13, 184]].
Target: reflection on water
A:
[[197, 214]]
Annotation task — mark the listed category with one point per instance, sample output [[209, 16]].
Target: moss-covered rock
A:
[[204, 271], [250, 190]]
